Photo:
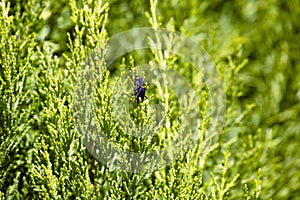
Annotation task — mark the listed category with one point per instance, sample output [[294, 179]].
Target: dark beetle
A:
[[139, 89]]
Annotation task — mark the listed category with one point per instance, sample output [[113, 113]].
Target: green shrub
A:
[[44, 45]]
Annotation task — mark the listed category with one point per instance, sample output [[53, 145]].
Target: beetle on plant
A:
[[139, 89]]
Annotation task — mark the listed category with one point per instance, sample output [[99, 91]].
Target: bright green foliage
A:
[[255, 46]]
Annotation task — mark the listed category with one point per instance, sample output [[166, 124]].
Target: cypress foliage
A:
[[47, 47]]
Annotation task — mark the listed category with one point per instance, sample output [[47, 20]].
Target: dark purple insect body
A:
[[139, 89]]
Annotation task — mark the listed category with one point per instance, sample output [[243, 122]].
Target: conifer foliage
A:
[[44, 46]]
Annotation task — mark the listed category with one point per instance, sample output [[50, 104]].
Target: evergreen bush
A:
[[44, 46]]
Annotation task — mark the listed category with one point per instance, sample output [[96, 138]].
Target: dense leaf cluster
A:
[[255, 46]]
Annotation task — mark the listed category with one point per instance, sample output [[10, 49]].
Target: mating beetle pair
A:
[[139, 89]]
